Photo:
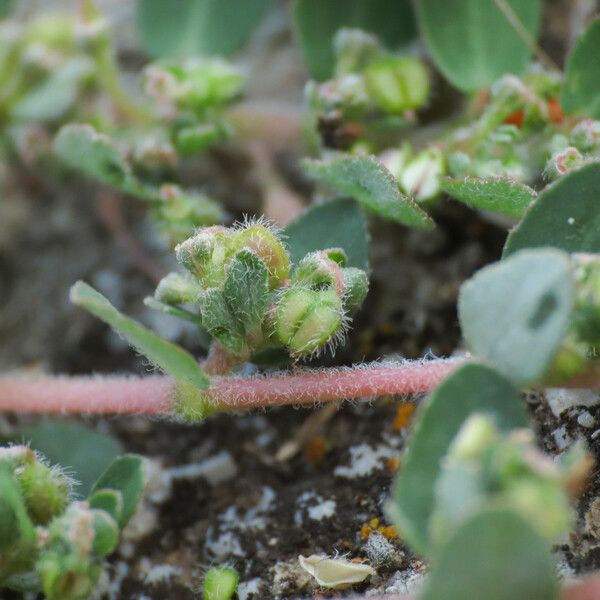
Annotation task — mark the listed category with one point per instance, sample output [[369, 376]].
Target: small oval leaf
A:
[[515, 313], [191, 27], [496, 194], [581, 91], [472, 42], [372, 185], [471, 388], [496, 555], [339, 223], [565, 215]]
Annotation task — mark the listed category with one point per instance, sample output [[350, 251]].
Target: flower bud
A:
[[585, 136], [398, 84], [356, 288], [67, 567], [318, 271], [204, 255], [396, 159], [306, 319], [562, 162], [421, 177], [268, 247], [45, 491], [176, 289]]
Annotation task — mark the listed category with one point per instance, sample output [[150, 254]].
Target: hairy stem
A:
[[154, 395]]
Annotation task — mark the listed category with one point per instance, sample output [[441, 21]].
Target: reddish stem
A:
[[101, 395], [153, 395]]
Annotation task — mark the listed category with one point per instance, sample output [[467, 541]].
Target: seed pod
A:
[[45, 490], [307, 320], [398, 84], [585, 136], [268, 247], [562, 162], [176, 289]]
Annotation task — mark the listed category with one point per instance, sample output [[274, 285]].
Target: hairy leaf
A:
[[565, 215], [339, 223], [496, 194], [82, 452], [515, 313], [125, 475], [471, 388], [497, 555], [190, 27], [52, 98], [581, 90], [246, 289], [317, 21], [82, 148], [472, 42], [372, 185], [14, 521], [172, 359]]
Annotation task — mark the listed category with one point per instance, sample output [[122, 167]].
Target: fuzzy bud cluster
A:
[[251, 298], [48, 542], [485, 466]]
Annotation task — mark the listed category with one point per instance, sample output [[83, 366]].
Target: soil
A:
[[219, 492]]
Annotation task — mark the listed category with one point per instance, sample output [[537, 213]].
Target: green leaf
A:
[[106, 533], [82, 452], [496, 194], [339, 223], [368, 181], [125, 475], [110, 501], [472, 42], [220, 583], [6, 7], [94, 154], [565, 215], [51, 99], [471, 388], [514, 314], [317, 21], [246, 290], [496, 555], [581, 91], [14, 522], [190, 27], [172, 359]]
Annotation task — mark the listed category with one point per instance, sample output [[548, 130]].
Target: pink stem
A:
[[100, 395], [153, 395], [327, 385]]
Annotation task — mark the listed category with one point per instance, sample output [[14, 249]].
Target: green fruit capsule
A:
[[306, 320], [176, 289], [204, 255], [45, 491], [268, 247], [220, 583], [398, 84]]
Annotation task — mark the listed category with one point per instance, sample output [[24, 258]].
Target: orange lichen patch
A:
[[516, 118], [392, 464], [387, 531], [555, 112], [404, 412], [315, 450]]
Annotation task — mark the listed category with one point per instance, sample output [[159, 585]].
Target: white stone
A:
[[364, 460], [560, 399]]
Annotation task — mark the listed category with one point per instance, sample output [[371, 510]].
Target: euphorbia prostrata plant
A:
[[473, 494]]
